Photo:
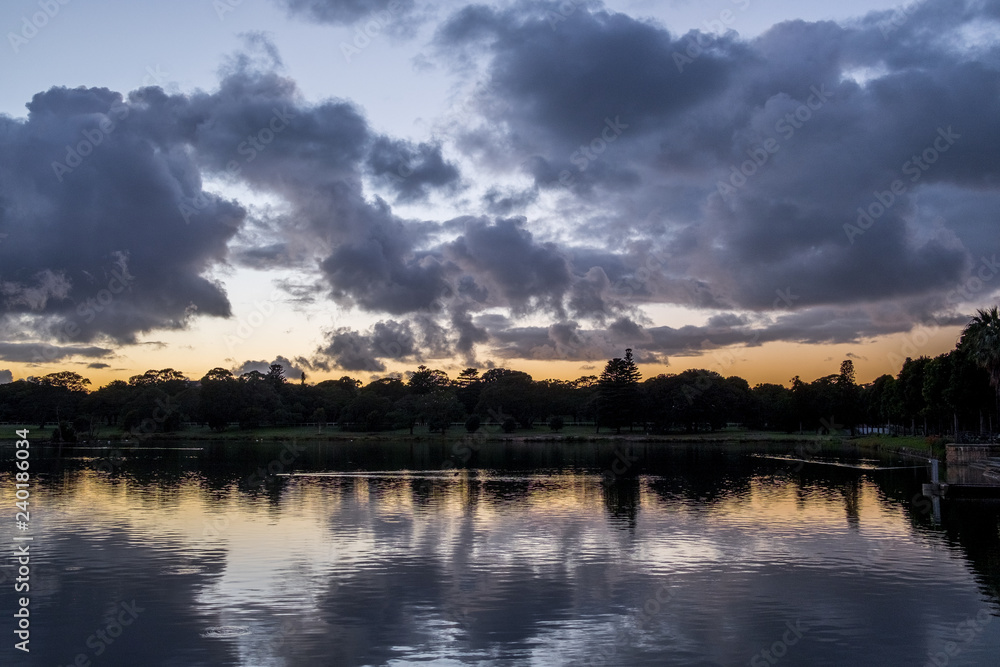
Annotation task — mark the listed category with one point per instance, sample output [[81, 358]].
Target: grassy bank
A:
[[912, 444], [569, 434], [35, 434]]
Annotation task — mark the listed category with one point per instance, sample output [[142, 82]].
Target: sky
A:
[[761, 188]]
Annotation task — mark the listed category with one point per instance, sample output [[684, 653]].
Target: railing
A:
[[976, 438]]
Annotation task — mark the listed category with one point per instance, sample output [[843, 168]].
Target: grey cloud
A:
[[411, 170], [564, 340], [345, 11], [570, 341], [434, 339], [292, 372], [380, 269], [352, 350], [78, 177], [44, 353], [468, 333], [393, 340], [590, 294], [837, 145], [648, 219], [263, 257], [626, 329], [301, 292], [6, 377], [519, 270], [505, 201], [313, 157]]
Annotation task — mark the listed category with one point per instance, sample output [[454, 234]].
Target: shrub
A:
[[472, 423], [509, 425], [556, 423]]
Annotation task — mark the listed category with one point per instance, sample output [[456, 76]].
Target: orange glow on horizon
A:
[[774, 362]]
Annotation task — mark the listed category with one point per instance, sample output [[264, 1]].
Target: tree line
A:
[[955, 392]]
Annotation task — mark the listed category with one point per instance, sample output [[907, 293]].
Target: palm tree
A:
[[981, 339]]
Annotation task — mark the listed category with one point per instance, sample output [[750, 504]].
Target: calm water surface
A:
[[376, 555]]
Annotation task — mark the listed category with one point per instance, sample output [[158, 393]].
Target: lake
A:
[[531, 554]]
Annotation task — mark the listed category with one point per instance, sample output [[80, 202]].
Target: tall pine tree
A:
[[618, 393]]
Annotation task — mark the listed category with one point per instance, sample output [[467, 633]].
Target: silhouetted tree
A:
[[981, 342], [619, 392], [425, 380], [847, 406], [511, 393]]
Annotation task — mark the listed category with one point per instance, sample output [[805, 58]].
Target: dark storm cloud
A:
[[353, 350], [564, 340], [6, 377], [585, 70], [95, 241], [589, 294], [257, 129], [519, 270], [380, 270], [393, 340], [784, 180], [411, 170], [344, 11], [468, 333], [128, 231], [625, 328], [757, 154], [43, 353]]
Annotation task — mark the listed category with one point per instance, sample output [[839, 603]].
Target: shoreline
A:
[[911, 446]]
